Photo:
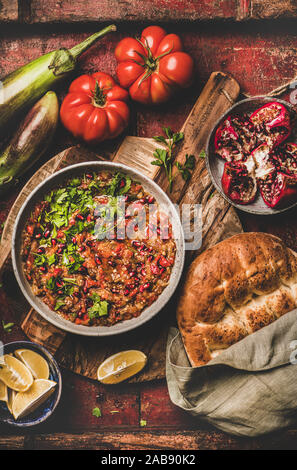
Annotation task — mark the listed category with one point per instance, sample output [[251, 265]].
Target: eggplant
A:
[[23, 87], [31, 140]]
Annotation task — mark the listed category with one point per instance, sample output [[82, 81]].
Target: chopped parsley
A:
[[120, 184], [99, 307], [96, 412], [7, 327], [40, 260], [59, 303]]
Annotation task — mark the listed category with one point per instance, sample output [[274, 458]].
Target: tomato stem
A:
[[99, 97]]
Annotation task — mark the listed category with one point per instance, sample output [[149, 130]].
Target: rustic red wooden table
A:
[[256, 42]]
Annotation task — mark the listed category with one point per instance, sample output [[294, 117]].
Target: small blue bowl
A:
[[47, 408]]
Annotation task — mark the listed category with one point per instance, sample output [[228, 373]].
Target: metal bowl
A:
[[44, 411], [51, 183], [215, 164]]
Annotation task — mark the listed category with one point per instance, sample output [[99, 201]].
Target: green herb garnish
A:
[[96, 412], [116, 187], [99, 307], [143, 422], [185, 169], [59, 304], [7, 327], [164, 157]]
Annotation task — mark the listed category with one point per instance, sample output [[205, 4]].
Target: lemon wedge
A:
[[27, 402], [3, 392], [121, 366], [11, 396], [15, 374], [36, 364]]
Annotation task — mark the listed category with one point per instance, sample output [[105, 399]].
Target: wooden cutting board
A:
[[82, 354]]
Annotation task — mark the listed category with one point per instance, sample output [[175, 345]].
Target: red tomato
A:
[[154, 67], [95, 108]]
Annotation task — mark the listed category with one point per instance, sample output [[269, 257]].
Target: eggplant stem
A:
[[77, 50]]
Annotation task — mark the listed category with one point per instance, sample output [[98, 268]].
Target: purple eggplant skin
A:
[[31, 140]]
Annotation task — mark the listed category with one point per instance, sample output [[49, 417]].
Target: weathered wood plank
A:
[[267, 9], [159, 440], [12, 442], [135, 10], [8, 10], [51, 11]]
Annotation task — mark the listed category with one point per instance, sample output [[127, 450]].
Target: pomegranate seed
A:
[[135, 243], [80, 314], [122, 183], [83, 270], [89, 176], [47, 233], [162, 270], [73, 240], [79, 217], [147, 285], [150, 258], [77, 294], [40, 250], [81, 249], [85, 289], [38, 236], [150, 199], [43, 269], [57, 272], [90, 218], [29, 277], [60, 292], [89, 243], [53, 241], [143, 272], [126, 292], [111, 263], [59, 283], [132, 274], [98, 260]]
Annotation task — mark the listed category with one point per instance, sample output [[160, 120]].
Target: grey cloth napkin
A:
[[249, 389]]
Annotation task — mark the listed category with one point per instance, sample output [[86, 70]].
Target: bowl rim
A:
[[242, 207], [142, 319], [50, 357]]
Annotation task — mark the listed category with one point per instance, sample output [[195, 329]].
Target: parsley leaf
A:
[[120, 184], [99, 307], [164, 157], [143, 422], [59, 304], [185, 169], [7, 327], [96, 412]]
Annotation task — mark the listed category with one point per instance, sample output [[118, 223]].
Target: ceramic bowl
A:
[[215, 164], [45, 410], [51, 183]]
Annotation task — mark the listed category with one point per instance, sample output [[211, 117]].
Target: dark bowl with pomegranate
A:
[[251, 155]]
